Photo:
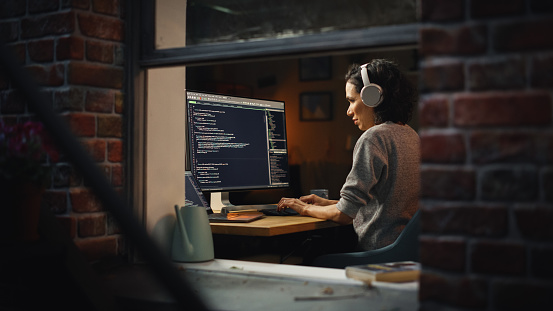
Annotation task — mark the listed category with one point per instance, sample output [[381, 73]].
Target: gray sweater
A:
[[381, 192]]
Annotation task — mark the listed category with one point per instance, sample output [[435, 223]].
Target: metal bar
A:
[[69, 145]]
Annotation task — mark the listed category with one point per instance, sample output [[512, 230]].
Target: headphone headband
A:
[[365, 74], [371, 94]]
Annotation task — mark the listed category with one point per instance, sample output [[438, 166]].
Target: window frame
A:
[[344, 40], [142, 58]]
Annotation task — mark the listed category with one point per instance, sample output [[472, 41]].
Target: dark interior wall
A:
[[320, 149]]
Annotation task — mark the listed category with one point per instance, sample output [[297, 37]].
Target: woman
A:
[[380, 194]]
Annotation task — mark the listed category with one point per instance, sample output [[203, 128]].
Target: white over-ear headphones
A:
[[371, 94]]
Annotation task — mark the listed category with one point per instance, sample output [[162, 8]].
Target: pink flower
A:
[[24, 149]]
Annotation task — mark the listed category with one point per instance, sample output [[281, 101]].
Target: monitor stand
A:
[[220, 202]]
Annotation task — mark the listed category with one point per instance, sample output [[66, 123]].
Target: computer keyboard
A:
[[266, 209], [274, 212]]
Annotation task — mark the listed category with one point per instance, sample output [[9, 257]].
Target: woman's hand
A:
[[316, 200], [314, 206], [296, 204]]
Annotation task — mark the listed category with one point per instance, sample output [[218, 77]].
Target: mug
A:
[[323, 193]]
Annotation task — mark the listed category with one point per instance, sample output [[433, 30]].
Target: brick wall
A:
[[74, 49], [487, 151]]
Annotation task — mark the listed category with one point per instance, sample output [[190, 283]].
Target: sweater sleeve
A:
[[369, 166]]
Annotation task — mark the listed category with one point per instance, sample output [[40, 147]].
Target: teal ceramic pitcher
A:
[[192, 238]]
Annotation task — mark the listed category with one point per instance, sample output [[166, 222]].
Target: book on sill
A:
[[403, 271]]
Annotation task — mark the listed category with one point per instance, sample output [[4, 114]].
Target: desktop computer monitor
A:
[[235, 144]]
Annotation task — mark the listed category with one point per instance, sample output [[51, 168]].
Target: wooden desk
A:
[[272, 225]]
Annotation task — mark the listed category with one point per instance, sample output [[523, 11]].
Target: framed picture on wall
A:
[[315, 68], [316, 106]]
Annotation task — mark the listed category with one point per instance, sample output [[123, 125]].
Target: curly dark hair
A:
[[400, 95]]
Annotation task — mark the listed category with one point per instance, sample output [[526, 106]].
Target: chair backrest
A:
[[407, 243], [404, 248]]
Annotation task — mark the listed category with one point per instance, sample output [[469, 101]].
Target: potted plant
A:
[[25, 150]]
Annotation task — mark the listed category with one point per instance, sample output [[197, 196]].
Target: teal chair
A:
[[405, 248]]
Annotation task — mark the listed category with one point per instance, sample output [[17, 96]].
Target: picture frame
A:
[[316, 106], [315, 68]]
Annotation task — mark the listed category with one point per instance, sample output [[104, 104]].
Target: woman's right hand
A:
[[315, 200]]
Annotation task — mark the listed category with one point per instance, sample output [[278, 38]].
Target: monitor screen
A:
[[236, 143]]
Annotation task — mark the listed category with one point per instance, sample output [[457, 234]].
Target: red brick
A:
[[41, 50], [106, 170], [521, 294], [470, 292], [119, 102], [442, 147], [113, 227], [71, 99], [110, 126], [92, 225], [100, 52], [9, 31], [465, 40], [437, 10], [502, 74], [542, 71], [522, 36], [96, 148], [115, 151], [83, 125], [109, 7], [95, 75], [117, 177], [101, 27], [509, 184], [12, 8], [119, 55], [42, 6], [504, 146], [70, 48], [64, 175], [432, 286], [434, 111], [448, 183], [535, 222], [98, 248], [443, 77], [497, 8], [84, 201], [498, 257], [443, 253], [502, 109], [47, 75], [51, 24], [490, 221], [100, 101], [55, 201]]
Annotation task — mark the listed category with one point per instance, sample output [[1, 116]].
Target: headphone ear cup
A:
[[371, 95]]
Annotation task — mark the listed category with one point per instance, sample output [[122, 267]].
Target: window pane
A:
[[211, 21]]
